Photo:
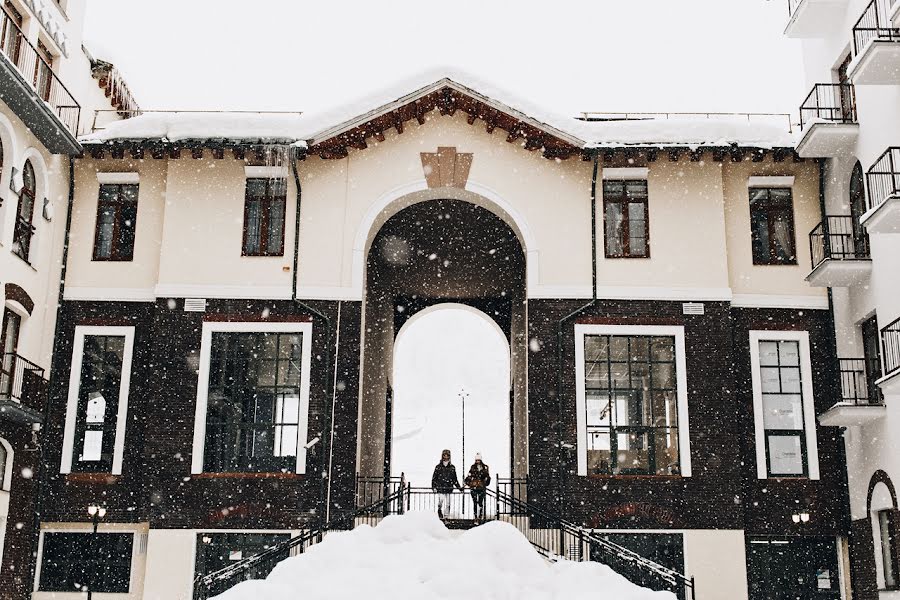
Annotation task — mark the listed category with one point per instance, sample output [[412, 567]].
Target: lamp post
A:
[[463, 394], [96, 513]]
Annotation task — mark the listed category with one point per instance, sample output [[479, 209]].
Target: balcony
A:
[[883, 201], [23, 390], [840, 253], [35, 93], [876, 47], [828, 121], [890, 343], [861, 401], [813, 18]]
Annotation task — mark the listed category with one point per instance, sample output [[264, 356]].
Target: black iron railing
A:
[[890, 343], [13, 369], [832, 102], [883, 177], [837, 238], [874, 24], [38, 73], [858, 377], [372, 490]]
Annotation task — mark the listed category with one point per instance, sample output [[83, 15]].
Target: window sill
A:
[[277, 475], [107, 478], [649, 477]]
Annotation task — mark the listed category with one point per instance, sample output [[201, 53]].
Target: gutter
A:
[[324, 440], [561, 450], [57, 342]]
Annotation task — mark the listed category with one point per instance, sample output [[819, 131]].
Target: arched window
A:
[[24, 229], [857, 208]]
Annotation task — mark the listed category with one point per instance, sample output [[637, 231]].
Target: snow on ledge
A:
[[309, 128]]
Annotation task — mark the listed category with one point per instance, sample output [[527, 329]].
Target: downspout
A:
[[561, 454], [57, 341], [324, 439]]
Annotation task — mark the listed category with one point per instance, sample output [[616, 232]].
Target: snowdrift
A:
[[414, 556]]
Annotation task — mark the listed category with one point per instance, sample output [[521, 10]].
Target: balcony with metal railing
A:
[[828, 121], [883, 200], [890, 344], [35, 92], [839, 249], [861, 400], [23, 389], [876, 46], [813, 18]]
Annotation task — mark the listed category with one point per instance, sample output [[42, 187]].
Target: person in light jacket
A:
[[443, 482], [478, 480]]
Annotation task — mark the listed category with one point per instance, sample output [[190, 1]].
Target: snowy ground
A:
[[414, 556]]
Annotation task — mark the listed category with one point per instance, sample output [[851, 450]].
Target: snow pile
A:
[[414, 556]]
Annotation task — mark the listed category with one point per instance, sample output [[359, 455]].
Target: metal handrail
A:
[[12, 375], [874, 23], [883, 178], [837, 237], [890, 341], [792, 6], [39, 74], [858, 382], [833, 102]]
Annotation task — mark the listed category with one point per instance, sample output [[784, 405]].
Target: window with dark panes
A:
[[24, 230], [216, 551], [264, 207], [631, 403], [98, 403], [73, 562], [626, 219], [9, 346], [116, 222], [772, 226], [888, 522], [782, 402], [253, 402]]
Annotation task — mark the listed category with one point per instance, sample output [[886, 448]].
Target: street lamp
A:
[[463, 394], [96, 513]]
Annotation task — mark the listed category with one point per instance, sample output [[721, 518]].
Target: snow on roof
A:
[[314, 127], [415, 556]]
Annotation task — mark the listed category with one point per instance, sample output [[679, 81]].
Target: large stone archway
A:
[[431, 252]]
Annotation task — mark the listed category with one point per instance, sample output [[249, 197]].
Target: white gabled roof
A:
[[310, 128]]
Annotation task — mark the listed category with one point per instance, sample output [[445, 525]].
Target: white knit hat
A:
[[478, 456]]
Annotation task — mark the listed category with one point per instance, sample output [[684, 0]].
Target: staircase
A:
[[552, 536]]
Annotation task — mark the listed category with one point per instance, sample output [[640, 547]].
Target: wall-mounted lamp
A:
[[800, 517]]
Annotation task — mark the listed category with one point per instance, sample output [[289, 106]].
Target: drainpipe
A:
[[561, 454], [57, 341], [324, 439]]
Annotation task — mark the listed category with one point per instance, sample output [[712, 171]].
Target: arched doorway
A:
[[432, 253], [451, 383]]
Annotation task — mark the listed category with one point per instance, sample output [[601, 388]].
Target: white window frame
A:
[[676, 331], [75, 382], [806, 390], [209, 327]]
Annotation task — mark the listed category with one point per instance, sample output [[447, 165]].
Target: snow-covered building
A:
[[852, 126], [48, 93], [235, 283]]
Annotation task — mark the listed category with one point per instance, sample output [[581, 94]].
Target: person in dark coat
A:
[[478, 480], [444, 481]]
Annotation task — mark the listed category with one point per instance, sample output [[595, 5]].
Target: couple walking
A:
[[444, 481]]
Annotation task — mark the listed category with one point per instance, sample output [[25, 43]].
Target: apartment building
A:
[[851, 125], [48, 86]]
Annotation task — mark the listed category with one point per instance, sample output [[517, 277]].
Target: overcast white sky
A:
[[609, 55]]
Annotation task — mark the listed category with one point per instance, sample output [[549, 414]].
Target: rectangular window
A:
[[9, 346], [772, 226], [890, 547], [98, 399], [82, 561], [631, 400], [216, 551], [626, 219], [116, 222], [783, 404], [253, 399], [264, 208]]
